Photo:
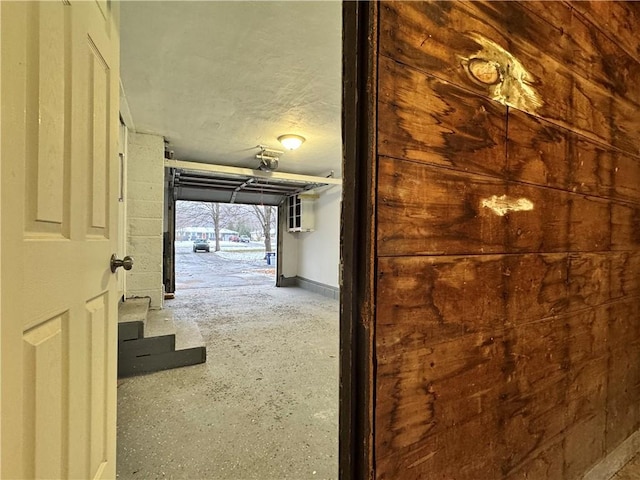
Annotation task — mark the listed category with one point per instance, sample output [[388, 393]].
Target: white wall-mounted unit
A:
[[300, 214]]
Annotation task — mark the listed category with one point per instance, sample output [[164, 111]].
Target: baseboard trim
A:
[[617, 459], [319, 288], [288, 281]]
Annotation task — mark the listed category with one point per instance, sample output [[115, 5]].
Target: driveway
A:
[[236, 265]]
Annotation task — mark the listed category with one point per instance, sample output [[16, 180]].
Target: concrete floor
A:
[[264, 406]]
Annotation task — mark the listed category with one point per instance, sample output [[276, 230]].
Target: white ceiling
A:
[[219, 78]]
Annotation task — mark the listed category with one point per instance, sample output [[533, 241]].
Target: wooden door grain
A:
[[506, 171]]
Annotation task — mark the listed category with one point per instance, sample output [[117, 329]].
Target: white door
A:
[[58, 207]]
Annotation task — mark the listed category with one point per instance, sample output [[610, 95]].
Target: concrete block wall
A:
[[145, 199]]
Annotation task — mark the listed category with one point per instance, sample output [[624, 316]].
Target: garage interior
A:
[[490, 225], [207, 90]]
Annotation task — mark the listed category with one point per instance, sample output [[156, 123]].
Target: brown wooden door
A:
[[59, 94], [496, 327]]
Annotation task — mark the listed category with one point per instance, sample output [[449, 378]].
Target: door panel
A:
[[97, 318], [44, 388], [97, 195], [47, 111], [59, 95]]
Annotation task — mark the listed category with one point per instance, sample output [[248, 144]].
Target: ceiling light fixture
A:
[[290, 141]]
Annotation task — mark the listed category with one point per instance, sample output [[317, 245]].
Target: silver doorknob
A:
[[126, 263]]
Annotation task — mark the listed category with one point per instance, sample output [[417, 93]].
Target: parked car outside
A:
[[234, 238], [245, 239], [201, 245]]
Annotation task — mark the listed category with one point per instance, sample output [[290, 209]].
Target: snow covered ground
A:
[[243, 252]]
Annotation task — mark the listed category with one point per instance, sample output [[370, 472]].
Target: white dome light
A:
[[291, 142]]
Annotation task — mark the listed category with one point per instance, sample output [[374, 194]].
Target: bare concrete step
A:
[[188, 334], [163, 343], [133, 310], [128, 366], [159, 322], [163, 322], [141, 347]]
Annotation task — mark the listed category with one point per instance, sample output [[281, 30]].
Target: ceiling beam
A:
[[225, 169]]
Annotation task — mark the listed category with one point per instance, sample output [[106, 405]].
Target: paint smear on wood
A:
[[501, 205], [504, 75]]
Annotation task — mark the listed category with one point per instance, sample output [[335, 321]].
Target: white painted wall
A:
[[319, 251], [145, 200], [289, 251]]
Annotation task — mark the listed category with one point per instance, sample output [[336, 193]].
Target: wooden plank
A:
[[458, 453], [586, 50], [624, 280], [545, 154], [441, 38], [537, 151], [538, 358], [623, 325], [441, 298], [623, 385], [626, 178], [583, 446], [587, 390], [428, 120], [427, 210], [532, 428], [618, 20], [623, 402], [625, 227], [588, 280], [542, 153], [549, 385], [545, 464], [451, 296], [426, 388], [528, 384], [536, 287], [507, 290]]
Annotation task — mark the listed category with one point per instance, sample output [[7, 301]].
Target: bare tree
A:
[[205, 214], [189, 214], [213, 209], [265, 216]]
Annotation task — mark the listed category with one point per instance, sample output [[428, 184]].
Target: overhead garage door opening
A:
[[224, 245], [200, 196]]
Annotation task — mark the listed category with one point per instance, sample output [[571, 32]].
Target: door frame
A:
[[357, 302]]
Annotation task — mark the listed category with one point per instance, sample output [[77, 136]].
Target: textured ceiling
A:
[[219, 78]]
